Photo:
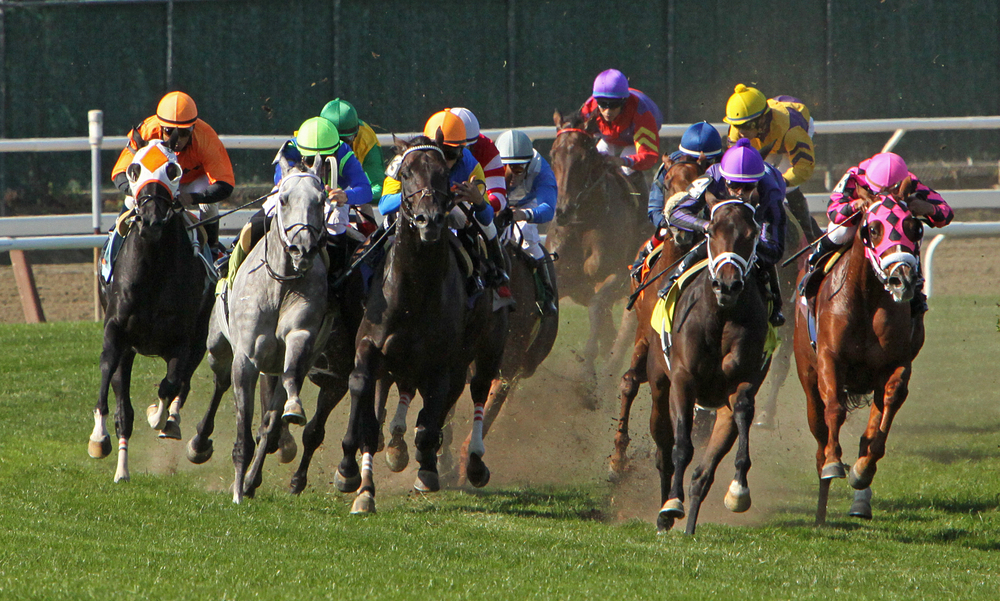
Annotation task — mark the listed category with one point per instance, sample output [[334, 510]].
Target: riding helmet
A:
[[450, 125], [317, 135], [885, 170], [343, 115], [176, 109], [611, 84], [701, 139], [470, 122], [515, 147], [742, 163], [746, 104]]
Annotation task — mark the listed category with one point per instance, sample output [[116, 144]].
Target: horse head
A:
[[423, 177], [154, 177], [576, 163], [732, 237], [300, 218], [891, 237]]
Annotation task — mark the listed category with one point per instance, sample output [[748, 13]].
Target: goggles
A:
[[452, 153], [610, 103], [741, 186]]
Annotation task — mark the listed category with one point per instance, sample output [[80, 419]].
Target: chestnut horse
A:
[[600, 219], [855, 335], [717, 360]]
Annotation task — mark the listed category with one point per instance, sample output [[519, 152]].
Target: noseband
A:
[[742, 265], [409, 199], [286, 241]]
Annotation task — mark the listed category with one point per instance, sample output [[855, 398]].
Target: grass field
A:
[[548, 526]]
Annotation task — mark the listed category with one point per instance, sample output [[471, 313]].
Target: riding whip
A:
[[635, 295], [227, 213], [825, 234], [372, 247]]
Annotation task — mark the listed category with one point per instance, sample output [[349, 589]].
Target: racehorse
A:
[[157, 304], [422, 330], [855, 335], [278, 316], [600, 219], [717, 359]]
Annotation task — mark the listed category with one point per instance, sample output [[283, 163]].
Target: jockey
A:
[[351, 188], [208, 174], [701, 144], [742, 174], [466, 175], [629, 122], [485, 151], [532, 193], [780, 127], [361, 138], [881, 174]]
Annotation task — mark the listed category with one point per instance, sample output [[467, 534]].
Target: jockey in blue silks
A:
[[744, 175]]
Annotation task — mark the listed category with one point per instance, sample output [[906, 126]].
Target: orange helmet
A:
[[176, 109], [451, 126]]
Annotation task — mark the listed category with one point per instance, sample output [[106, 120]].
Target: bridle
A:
[[596, 174], [141, 200], [406, 206], [885, 266], [283, 235], [742, 265]]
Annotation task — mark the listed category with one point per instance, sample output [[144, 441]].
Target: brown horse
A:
[[855, 335], [422, 330], [600, 219], [717, 360]]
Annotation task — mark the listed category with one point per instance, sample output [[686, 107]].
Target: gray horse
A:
[[277, 317]]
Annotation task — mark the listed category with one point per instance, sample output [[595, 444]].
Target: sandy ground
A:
[[543, 437]]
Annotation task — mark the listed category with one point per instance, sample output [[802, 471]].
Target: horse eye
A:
[[132, 172]]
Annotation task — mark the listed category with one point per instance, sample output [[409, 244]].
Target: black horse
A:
[[157, 304], [421, 329]]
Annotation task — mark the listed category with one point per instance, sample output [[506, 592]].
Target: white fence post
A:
[[96, 121]]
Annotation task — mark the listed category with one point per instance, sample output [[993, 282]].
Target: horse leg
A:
[[499, 389], [170, 386], [602, 332], [124, 414], [724, 434], [381, 399], [893, 395], [447, 467], [628, 389], [738, 495], [682, 395], [298, 348], [821, 416], [427, 440], [481, 388], [626, 326], [662, 432], [267, 434], [99, 445], [362, 386], [315, 431], [780, 365], [396, 454], [244, 378], [200, 447]]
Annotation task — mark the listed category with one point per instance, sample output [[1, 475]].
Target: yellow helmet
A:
[[744, 105]]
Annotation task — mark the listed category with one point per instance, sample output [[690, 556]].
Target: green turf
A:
[[68, 532]]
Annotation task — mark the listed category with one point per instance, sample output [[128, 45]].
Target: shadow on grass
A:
[[992, 428], [580, 504], [946, 456]]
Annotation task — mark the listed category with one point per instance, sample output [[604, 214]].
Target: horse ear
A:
[[284, 164], [317, 164], [557, 118], [864, 194], [906, 187], [439, 137], [133, 171], [399, 144], [591, 126]]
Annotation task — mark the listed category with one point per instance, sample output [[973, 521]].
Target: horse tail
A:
[[859, 400]]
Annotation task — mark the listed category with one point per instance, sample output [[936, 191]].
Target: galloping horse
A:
[[278, 316], [717, 359], [421, 330], [599, 222], [158, 304], [855, 335]]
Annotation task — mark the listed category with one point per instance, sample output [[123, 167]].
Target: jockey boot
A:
[[636, 268], [495, 272], [799, 208], [212, 240], [918, 304], [777, 319], [694, 255], [824, 246], [110, 254], [545, 296]]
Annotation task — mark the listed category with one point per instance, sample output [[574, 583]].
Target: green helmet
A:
[[343, 115], [317, 135]]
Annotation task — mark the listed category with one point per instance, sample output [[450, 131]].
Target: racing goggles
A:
[[610, 103]]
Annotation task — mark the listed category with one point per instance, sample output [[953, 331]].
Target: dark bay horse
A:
[[717, 360], [855, 335], [600, 220], [421, 330], [157, 304]]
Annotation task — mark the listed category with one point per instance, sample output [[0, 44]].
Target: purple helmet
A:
[[742, 163], [611, 84]]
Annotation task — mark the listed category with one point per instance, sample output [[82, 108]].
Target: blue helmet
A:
[[701, 139]]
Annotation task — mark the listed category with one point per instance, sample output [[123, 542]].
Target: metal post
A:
[[96, 121], [929, 264], [511, 62], [170, 45]]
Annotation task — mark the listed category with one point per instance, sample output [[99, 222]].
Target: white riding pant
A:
[[613, 150], [841, 235]]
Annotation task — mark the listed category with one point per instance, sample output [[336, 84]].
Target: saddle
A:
[[809, 285]]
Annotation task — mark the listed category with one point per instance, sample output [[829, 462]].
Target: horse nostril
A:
[[438, 219], [737, 287], [420, 220], [716, 285], [895, 282]]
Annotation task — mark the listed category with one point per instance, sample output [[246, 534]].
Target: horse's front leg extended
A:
[[627, 391], [724, 434], [738, 496], [682, 398], [835, 412], [124, 414], [99, 446], [168, 403], [298, 351], [499, 389], [427, 439], [244, 377], [880, 421], [362, 429], [397, 456], [313, 434]]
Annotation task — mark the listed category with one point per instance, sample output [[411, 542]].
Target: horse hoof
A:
[[121, 477], [397, 457], [477, 472], [198, 457], [862, 505], [99, 449], [294, 413], [427, 481], [858, 479], [346, 484], [834, 469], [737, 497], [364, 503], [171, 430], [287, 449], [297, 486], [673, 509], [664, 523], [156, 417]]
